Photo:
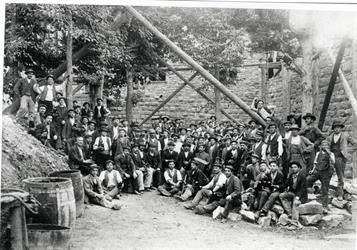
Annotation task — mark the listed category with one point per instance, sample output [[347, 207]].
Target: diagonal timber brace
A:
[[196, 66]]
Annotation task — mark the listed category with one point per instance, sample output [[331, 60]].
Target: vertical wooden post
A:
[[286, 89], [69, 62], [307, 96], [354, 90], [263, 84], [17, 237], [129, 95]]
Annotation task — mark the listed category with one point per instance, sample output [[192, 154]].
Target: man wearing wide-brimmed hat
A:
[[259, 147], [250, 172], [214, 190], [193, 181], [314, 135], [153, 141], [169, 155], [102, 148], [48, 92], [298, 147], [274, 142], [24, 90], [204, 159], [338, 141]]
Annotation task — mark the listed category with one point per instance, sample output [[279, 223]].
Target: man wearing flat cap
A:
[[71, 130], [94, 191]]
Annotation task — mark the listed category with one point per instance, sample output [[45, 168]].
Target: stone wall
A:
[[190, 106]]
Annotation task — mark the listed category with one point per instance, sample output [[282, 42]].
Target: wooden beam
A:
[[354, 90], [129, 96], [196, 89], [78, 88], [163, 103], [332, 84], [347, 88], [179, 68], [263, 84], [217, 107], [196, 66]]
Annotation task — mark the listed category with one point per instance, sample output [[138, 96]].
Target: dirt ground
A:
[[156, 222]]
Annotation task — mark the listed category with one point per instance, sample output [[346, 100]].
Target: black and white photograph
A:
[[184, 125]]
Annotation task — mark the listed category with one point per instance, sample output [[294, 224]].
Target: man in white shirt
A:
[[173, 181], [47, 92], [274, 143], [102, 148], [111, 180], [213, 190]]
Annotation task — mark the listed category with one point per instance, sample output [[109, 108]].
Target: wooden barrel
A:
[[78, 190], [48, 237], [56, 196]]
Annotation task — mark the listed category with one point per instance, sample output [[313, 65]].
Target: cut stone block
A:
[[247, 216], [234, 217], [264, 221], [332, 220], [284, 220], [217, 212], [339, 204]]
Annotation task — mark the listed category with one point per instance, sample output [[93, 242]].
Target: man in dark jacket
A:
[[24, 89], [184, 159], [193, 181], [169, 155], [46, 132], [232, 197], [295, 188], [78, 157], [276, 187], [94, 190]]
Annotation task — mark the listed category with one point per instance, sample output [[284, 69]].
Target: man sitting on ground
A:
[[213, 190], [194, 180], [94, 191], [173, 181], [111, 180]]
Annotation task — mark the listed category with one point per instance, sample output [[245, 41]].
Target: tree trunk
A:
[[307, 96], [315, 87], [69, 64], [129, 95]]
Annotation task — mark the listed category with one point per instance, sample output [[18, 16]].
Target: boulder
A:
[[348, 207], [217, 212], [354, 197], [343, 212], [284, 220], [277, 209], [247, 216], [264, 221], [312, 207], [339, 204], [234, 217], [199, 210], [308, 220], [332, 220]]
